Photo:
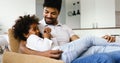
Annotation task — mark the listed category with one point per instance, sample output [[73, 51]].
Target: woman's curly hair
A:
[[22, 26]]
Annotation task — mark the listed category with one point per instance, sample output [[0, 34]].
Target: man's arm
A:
[[50, 53], [74, 37]]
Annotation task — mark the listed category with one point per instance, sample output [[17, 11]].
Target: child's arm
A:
[[47, 33], [40, 44]]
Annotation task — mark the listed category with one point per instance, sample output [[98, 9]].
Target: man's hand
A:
[[50, 53], [53, 54], [109, 38]]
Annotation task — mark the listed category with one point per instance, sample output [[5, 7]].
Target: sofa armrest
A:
[[12, 57]]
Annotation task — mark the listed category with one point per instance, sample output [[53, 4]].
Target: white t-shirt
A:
[[61, 32], [39, 44]]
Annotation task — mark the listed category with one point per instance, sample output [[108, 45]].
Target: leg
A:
[[76, 48], [96, 58], [115, 55], [100, 49]]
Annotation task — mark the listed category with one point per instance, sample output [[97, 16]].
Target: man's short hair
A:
[[53, 3]]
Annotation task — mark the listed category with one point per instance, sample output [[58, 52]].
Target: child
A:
[[26, 28]]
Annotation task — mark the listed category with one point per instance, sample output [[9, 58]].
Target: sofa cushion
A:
[[13, 57]]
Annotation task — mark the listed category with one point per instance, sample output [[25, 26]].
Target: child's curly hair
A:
[[22, 26]]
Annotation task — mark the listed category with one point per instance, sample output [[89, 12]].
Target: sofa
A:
[[12, 56]]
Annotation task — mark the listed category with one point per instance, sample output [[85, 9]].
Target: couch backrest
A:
[[14, 43]]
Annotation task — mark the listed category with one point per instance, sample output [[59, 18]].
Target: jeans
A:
[[74, 49], [100, 49], [111, 57]]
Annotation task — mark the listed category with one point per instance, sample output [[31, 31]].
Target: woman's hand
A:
[[109, 38]]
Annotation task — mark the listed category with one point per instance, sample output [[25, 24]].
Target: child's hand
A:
[[47, 35], [47, 30]]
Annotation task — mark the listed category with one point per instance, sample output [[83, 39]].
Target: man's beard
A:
[[52, 22]]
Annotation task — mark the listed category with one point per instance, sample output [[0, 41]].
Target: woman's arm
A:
[[50, 53]]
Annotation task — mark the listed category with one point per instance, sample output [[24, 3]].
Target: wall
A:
[[93, 12], [97, 11], [39, 8], [11, 9], [72, 21], [117, 5], [117, 13], [87, 13]]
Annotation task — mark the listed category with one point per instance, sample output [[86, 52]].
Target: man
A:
[[63, 33]]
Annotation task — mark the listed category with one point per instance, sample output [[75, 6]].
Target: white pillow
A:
[[4, 40]]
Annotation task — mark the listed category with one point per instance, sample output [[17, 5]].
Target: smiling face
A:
[[50, 15], [33, 30]]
